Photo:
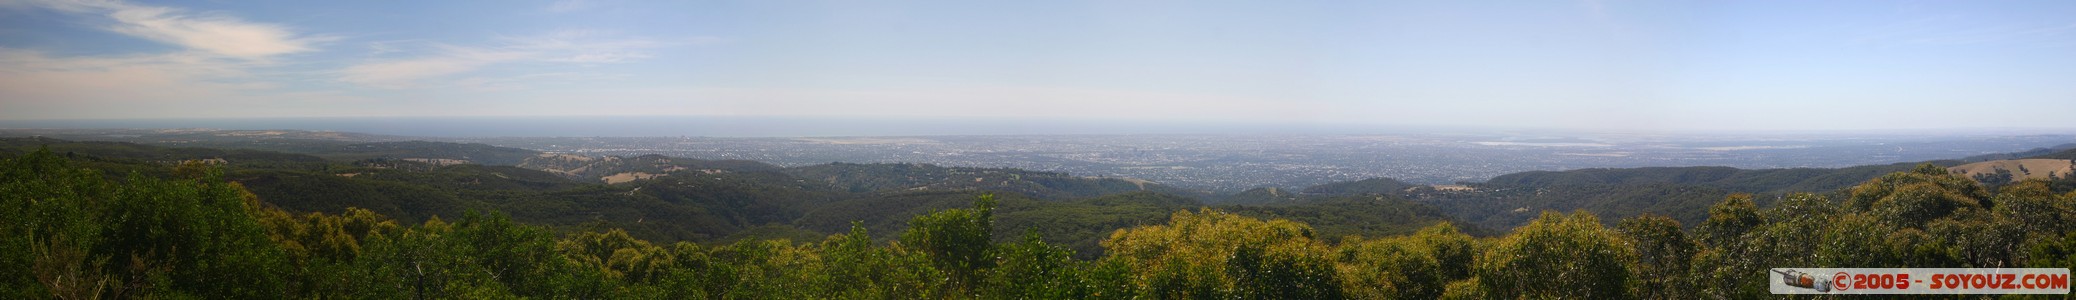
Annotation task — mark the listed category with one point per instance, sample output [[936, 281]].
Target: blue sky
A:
[[1597, 65]]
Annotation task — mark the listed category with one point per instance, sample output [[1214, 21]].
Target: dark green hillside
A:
[[873, 177], [1681, 193], [415, 191], [1263, 195], [887, 214], [1675, 175], [696, 200], [339, 146], [117, 153], [598, 207], [1771, 181], [1077, 224], [747, 198], [596, 169], [2064, 149], [469, 177], [1082, 224], [1340, 217], [473, 153], [407, 193], [328, 193], [1041, 185], [1508, 207], [2063, 154], [1372, 186], [182, 231]]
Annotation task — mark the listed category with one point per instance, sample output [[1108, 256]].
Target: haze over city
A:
[[1573, 65]]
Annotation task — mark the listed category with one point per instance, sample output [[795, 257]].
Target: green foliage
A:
[[2053, 252], [76, 234], [179, 229], [1730, 220], [956, 240], [1682, 193], [1739, 239], [1761, 181], [1512, 206], [1344, 216], [51, 225], [1664, 254], [1465, 290], [480, 255], [1082, 225], [318, 192], [1925, 178], [618, 255], [1215, 255], [858, 269], [1559, 256], [1418, 266], [1397, 268], [1032, 269], [124, 156], [2033, 207]]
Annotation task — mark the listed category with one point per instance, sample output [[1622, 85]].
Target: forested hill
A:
[[922, 177], [2064, 154], [615, 169], [677, 199], [716, 199], [468, 153], [854, 178], [1362, 187], [1682, 193], [1768, 181], [330, 145], [2064, 151], [182, 230]]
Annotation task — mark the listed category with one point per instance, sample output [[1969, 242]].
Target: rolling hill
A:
[[695, 200], [1999, 172], [670, 199]]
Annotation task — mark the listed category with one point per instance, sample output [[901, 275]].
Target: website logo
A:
[[1919, 280]]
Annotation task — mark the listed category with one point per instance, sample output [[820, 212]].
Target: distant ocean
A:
[[710, 126]]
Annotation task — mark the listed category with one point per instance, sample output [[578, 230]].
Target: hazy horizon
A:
[[781, 126], [1584, 65]]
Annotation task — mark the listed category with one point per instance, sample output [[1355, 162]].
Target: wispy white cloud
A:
[[562, 6], [515, 82], [569, 46], [594, 58], [213, 71], [410, 72], [403, 73], [38, 85], [583, 46], [212, 33], [385, 47]]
